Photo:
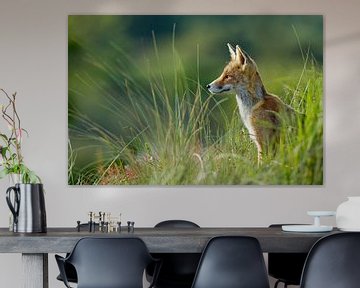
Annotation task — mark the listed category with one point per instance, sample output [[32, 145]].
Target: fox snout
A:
[[211, 87], [215, 88]]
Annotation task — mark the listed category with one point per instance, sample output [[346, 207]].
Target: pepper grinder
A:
[[131, 226], [78, 226], [90, 221]]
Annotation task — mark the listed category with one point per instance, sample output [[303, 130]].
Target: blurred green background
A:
[[270, 40], [113, 59]]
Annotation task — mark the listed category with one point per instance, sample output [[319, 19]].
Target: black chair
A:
[[178, 269], [286, 267], [333, 262], [108, 263], [70, 273], [232, 262], [69, 269]]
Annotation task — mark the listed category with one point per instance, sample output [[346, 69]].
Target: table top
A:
[[158, 240]]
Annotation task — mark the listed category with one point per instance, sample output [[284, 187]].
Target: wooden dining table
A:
[[35, 247]]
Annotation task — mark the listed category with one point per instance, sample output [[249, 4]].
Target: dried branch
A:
[[10, 151]]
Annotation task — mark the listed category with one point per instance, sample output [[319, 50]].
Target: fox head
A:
[[239, 73]]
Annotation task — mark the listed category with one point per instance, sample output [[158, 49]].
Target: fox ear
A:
[[240, 56], [232, 52]]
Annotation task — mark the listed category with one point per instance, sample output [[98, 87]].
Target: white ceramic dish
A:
[[321, 213], [306, 228], [350, 229]]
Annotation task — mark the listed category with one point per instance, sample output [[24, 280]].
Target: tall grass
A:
[[170, 131]]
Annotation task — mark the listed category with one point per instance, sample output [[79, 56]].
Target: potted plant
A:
[[26, 198], [11, 159]]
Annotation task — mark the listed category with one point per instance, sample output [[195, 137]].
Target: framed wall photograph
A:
[[195, 100]]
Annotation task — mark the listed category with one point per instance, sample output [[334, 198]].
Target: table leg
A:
[[35, 270]]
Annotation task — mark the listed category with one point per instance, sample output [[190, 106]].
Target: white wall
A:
[[33, 62]]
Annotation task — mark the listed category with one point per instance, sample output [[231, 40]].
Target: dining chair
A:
[[285, 267], [108, 263], [232, 262], [333, 262], [178, 269], [70, 271]]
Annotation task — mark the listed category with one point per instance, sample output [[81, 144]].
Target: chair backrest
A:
[[110, 262], [232, 262], [178, 269], [176, 224], [287, 267], [333, 262]]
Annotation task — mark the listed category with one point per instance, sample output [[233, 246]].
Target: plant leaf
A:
[[4, 173]]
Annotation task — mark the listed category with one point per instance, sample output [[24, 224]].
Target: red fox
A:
[[259, 110]]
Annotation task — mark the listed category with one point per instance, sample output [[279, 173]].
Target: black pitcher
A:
[[28, 208]]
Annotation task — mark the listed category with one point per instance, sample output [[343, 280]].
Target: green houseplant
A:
[[11, 158]]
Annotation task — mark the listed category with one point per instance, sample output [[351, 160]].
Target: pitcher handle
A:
[[13, 208]]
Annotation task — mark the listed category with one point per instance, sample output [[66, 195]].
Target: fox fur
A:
[[259, 110]]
